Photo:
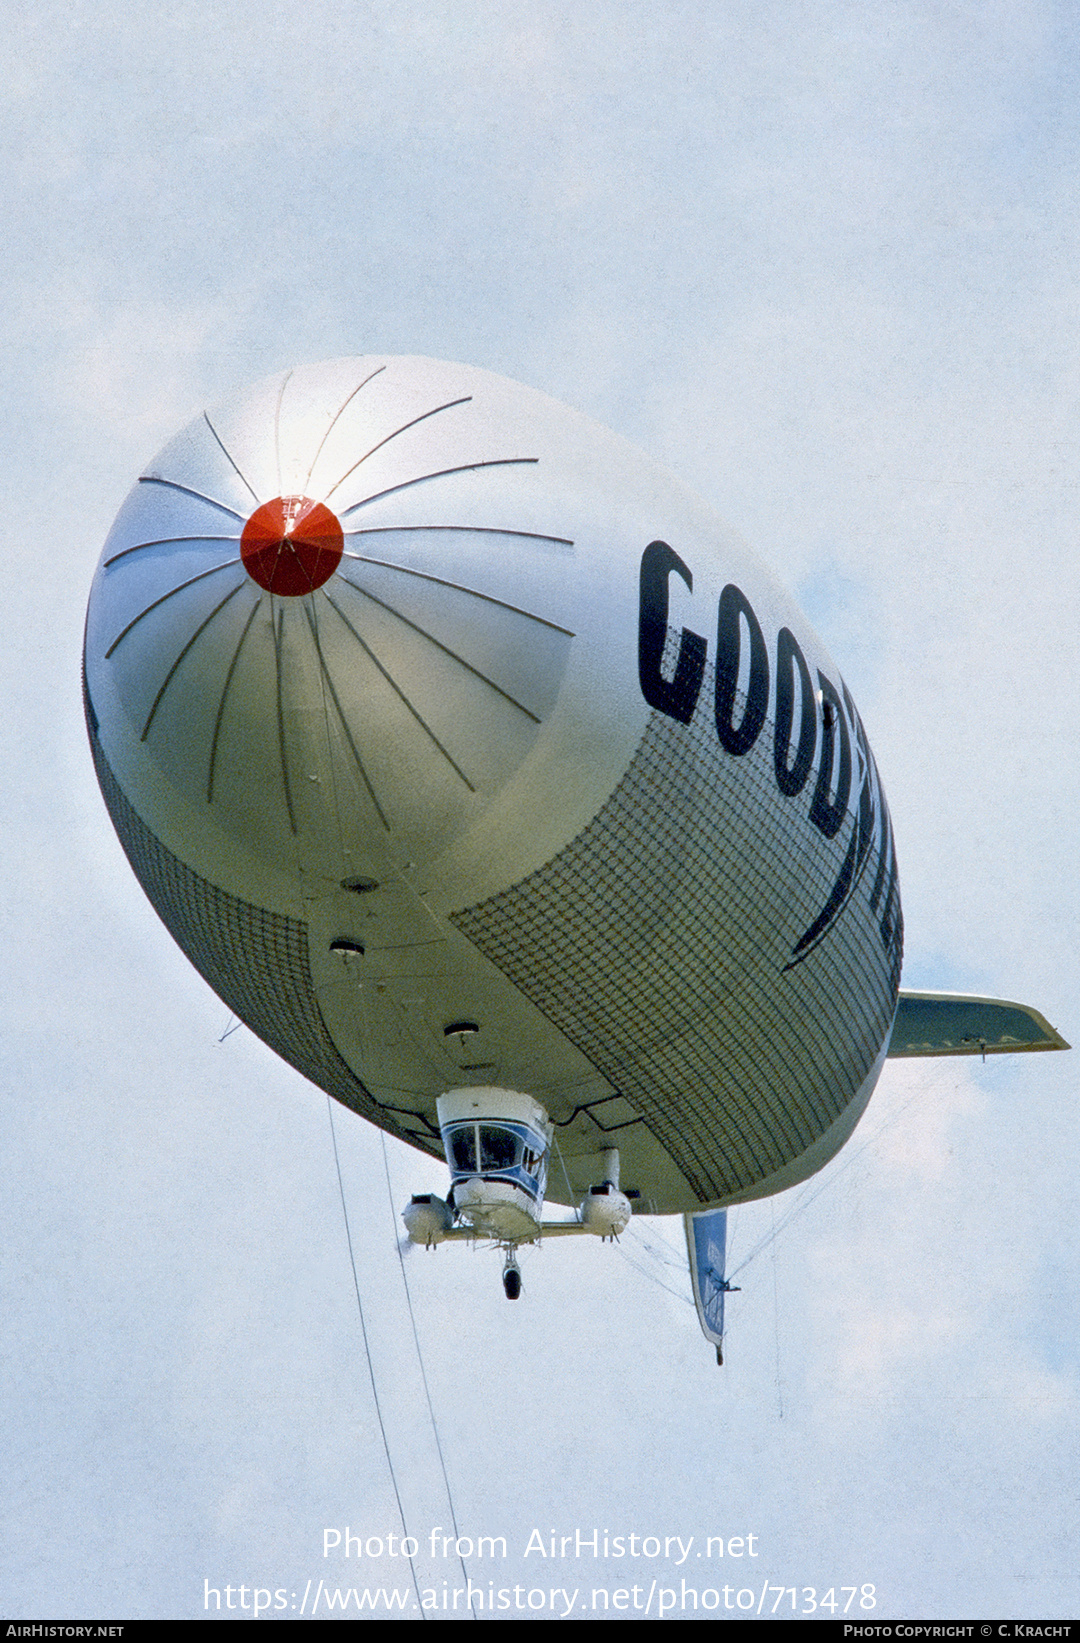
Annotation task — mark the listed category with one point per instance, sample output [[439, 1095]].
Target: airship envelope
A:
[[473, 760], [418, 701]]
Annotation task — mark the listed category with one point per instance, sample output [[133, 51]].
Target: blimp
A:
[[497, 786]]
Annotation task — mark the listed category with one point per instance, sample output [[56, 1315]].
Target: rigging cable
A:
[[805, 1199], [566, 1178], [654, 1254], [776, 1316], [367, 1352], [801, 1203], [678, 1294]]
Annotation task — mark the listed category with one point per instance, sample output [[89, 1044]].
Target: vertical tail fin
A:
[[706, 1243]]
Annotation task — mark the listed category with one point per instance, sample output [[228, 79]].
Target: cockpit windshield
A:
[[499, 1148], [463, 1151], [492, 1148]]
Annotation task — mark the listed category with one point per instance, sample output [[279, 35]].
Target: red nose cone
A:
[[291, 546]]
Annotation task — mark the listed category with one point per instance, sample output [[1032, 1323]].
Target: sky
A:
[[820, 262]]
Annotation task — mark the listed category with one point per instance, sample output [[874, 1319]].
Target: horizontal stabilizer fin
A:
[[549, 1229], [963, 1024]]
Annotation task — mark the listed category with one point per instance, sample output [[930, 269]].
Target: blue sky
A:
[[819, 261]]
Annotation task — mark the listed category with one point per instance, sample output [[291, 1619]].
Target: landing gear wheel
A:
[[512, 1280]]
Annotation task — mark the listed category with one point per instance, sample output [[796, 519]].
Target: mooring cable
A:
[[423, 1371], [367, 1353]]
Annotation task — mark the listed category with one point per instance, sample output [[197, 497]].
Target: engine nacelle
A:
[[606, 1211], [427, 1218]]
